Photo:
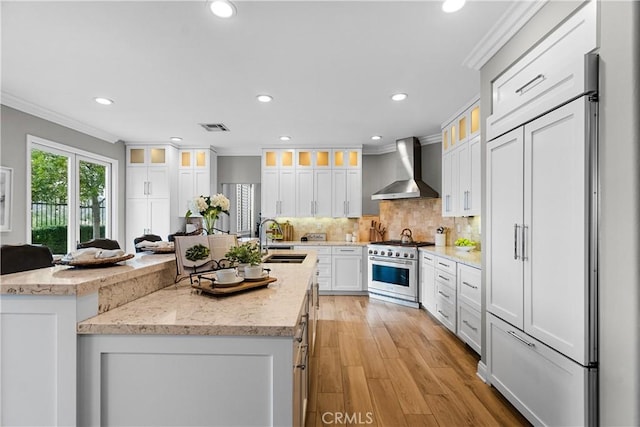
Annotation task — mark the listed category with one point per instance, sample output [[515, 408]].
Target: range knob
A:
[[389, 253], [410, 255], [406, 254], [397, 253], [375, 252], [370, 251]]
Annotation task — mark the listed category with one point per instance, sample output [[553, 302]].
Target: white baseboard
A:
[[482, 372]]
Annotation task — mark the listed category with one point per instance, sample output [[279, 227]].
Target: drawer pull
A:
[[469, 325], [443, 294], [440, 311], [443, 278], [529, 83], [443, 264], [469, 285], [513, 334], [301, 367]]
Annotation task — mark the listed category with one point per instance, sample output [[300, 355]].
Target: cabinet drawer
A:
[[320, 250], [550, 74], [346, 250], [469, 285], [324, 270], [446, 265], [446, 279], [445, 293], [324, 283], [548, 388], [469, 326], [446, 313], [427, 258]]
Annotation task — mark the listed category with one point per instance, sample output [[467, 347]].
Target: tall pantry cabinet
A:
[[541, 228], [150, 191]]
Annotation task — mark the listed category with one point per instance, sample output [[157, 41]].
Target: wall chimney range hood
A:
[[409, 171]]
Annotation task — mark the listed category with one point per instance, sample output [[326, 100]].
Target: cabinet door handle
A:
[[443, 294], [440, 311], [469, 325], [315, 209], [443, 278], [529, 83], [513, 334], [146, 188], [469, 285], [312, 207], [515, 241], [443, 264], [524, 245]]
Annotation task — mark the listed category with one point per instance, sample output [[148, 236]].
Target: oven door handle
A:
[[391, 261]]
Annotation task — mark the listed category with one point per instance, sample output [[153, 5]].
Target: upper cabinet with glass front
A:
[[193, 159], [279, 159], [464, 126], [347, 158], [313, 159], [147, 156]]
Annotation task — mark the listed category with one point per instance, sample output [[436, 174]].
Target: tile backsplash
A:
[[421, 216]]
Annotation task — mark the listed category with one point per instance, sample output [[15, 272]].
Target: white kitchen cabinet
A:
[[151, 177], [313, 192], [347, 268], [536, 179], [469, 285], [194, 173], [544, 386], [324, 267], [427, 281], [547, 76], [347, 158], [461, 164], [445, 281], [347, 193], [278, 193]]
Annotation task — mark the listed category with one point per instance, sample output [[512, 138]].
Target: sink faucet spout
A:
[[260, 227]]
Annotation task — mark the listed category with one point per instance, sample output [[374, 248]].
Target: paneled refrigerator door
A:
[[556, 233], [504, 210]]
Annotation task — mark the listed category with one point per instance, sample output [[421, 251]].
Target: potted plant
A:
[[246, 256]]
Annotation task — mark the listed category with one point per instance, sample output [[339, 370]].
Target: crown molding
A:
[[52, 116], [379, 149], [436, 138], [518, 14]]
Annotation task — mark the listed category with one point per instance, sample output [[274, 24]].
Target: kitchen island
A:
[[176, 357], [145, 356]]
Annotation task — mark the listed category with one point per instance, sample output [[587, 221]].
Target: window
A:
[[244, 209], [69, 195]]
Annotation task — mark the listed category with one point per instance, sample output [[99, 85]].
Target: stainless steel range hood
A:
[[409, 171]]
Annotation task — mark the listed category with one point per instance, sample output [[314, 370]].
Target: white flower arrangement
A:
[[210, 208]]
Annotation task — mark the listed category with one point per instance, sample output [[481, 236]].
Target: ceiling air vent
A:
[[214, 127]]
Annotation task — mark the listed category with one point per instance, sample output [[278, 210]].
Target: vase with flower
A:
[[210, 207]]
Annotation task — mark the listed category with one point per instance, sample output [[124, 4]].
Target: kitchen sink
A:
[[284, 259]]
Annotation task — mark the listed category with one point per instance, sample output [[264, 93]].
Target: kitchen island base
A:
[[183, 380]]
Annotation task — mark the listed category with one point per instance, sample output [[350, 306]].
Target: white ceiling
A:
[[331, 67]]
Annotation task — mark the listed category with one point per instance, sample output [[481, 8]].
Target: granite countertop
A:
[[66, 280], [176, 310], [472, 258]]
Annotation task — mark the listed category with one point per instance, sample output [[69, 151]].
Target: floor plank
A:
[[378, 363]]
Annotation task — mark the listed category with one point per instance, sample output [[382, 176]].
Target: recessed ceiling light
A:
[[175, 139], [376, 137], [265, 98], [450, 6], [399, 96], [222, 8], [285, 138], [103, 101]]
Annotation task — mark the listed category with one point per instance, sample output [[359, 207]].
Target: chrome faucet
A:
[[264, 221]]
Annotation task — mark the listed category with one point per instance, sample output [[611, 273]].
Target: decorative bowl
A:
[[465, 248]]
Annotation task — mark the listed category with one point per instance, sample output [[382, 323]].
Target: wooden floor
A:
[[382, 364]]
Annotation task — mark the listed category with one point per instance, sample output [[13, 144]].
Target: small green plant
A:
[[196, 253], [246, 253]]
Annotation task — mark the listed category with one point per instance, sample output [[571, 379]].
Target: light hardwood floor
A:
[[383, 364]]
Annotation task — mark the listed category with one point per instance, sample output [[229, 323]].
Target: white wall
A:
[[619, 137]]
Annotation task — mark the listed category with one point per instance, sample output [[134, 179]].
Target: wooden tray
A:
[[211, 289], [98, 262]]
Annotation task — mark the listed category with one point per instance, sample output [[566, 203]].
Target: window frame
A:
[[75, 155]]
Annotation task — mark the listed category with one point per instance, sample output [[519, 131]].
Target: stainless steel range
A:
[[393, 271]]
